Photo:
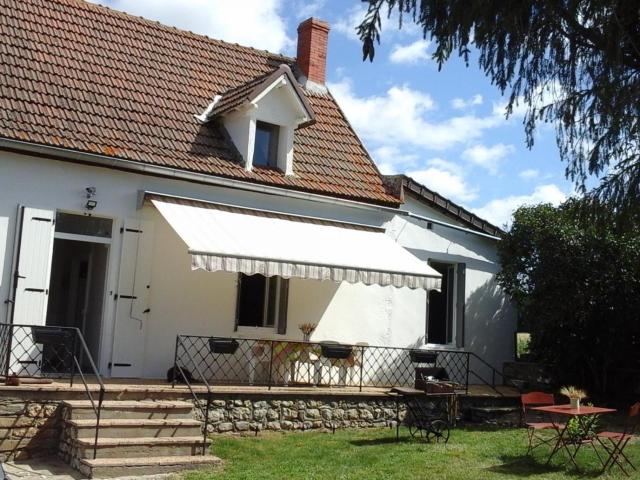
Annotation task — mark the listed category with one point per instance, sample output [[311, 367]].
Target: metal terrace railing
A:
[[183, 375], [39, 351], [263, 362]]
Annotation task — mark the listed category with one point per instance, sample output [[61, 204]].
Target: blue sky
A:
[[446, 129]]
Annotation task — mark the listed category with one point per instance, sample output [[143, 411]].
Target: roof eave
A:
[[400, 184]]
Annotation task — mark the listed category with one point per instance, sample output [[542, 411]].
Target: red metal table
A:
[[585, 415]]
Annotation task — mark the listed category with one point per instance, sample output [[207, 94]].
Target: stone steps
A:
[[118, 467], [114, 409], [131, 428], [140, 446], [134, 438]]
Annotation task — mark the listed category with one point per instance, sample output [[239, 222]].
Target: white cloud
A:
[[544, 95], [410, 54], [391, 159], [255, 23], [401, 116], [529, 174], [440, 177], [488, 158], [461, 103], [348, 22], [500, 210], [308, 8]]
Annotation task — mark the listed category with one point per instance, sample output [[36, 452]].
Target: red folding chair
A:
[[536, 439], [615, 442]]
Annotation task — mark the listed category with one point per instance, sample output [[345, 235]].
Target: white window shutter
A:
[[461, 274], [34, 266], [32, 273], [132, 309]]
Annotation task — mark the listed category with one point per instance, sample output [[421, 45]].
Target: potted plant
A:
[[575, 395], [307, 329]]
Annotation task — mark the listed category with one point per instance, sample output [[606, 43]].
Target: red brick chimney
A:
[[313, 35]]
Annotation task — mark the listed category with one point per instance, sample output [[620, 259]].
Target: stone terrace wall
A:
[[255, 413], [28, 427], [31, 421]]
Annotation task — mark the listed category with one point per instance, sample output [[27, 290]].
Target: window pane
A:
[[440, 322], [83, 225], [251, 301], [265, 149]]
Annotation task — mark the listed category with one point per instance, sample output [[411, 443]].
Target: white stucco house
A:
[[154, 182]]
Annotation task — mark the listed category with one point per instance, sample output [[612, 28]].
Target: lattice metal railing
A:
[[264, 362], [50, 352]]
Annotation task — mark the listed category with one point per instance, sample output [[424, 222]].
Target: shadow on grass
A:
[[525, 465], [470, 427], [369, 442]]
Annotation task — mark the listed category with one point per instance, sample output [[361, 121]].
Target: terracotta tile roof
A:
[[401, 184], [83, 77]]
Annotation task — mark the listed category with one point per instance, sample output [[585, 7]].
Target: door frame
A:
[[108, 270]]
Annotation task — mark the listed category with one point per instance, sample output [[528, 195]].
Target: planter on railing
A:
[[225, 346], [336, 351], [51, 335], [422, 356]]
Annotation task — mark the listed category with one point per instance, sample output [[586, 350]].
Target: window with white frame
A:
[[262, 302]]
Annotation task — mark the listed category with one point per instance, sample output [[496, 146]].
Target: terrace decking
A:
[[133, 389]]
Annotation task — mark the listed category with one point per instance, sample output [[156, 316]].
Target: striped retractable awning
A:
[[233, 239]]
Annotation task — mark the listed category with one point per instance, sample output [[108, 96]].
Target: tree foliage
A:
[[575, 63], [577, 288]]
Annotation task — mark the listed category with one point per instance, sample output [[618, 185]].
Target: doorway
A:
[[78, 278]]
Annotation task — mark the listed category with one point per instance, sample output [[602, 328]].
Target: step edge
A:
[[136, 441], [133, 423], [150, 461]]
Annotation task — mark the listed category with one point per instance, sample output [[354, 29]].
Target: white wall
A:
[[490, 319], [198, 302]]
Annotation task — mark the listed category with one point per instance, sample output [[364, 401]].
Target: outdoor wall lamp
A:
[[91, 204]]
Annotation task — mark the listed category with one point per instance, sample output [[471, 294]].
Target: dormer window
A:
[[265, 150], [261, 117]]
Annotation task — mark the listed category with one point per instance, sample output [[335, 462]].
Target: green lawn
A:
[[472, 453]]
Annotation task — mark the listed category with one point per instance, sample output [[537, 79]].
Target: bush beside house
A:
[[577, 287]]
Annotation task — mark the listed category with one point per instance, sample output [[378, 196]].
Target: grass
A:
[[472, 453]]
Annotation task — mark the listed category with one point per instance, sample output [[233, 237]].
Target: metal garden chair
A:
[[615, 442], [536, 439]]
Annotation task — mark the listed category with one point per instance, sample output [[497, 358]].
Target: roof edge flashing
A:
[[207, 115]]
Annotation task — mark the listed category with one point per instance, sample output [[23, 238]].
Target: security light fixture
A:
[[91, 204]]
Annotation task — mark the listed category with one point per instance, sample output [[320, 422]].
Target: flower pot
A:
[[575, 402]]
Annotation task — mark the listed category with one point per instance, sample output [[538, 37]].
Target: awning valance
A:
[[232, 239]]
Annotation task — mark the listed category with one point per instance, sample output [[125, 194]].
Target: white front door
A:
[[31, 285], [132, 307]]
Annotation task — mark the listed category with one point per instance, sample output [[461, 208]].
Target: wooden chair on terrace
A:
[[536, 439]]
